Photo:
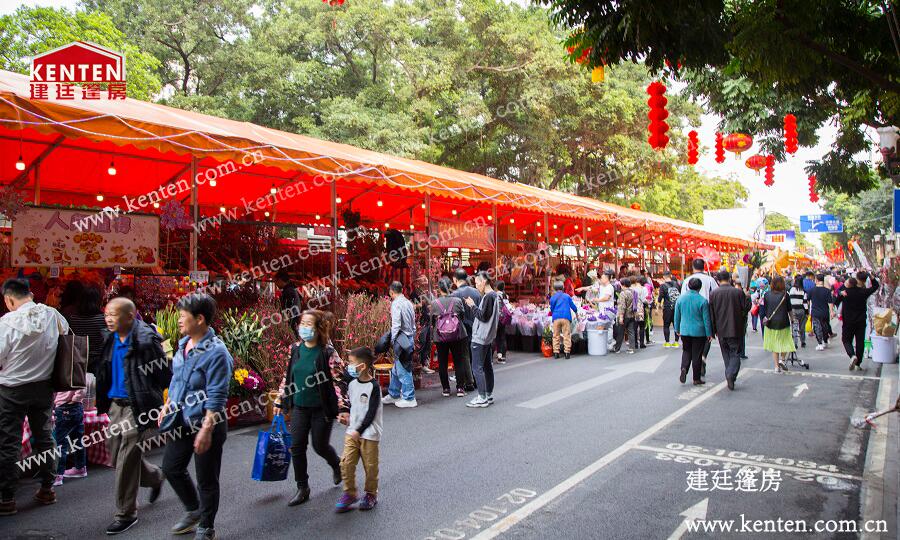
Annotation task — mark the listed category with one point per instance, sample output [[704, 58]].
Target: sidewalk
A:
[[882, 470]]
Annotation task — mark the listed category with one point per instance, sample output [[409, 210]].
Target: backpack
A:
[[673, 293], [448, 325], [505, 313]]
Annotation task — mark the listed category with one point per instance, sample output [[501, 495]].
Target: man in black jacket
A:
[[854, 315], [726, 313], [131, 376], [291, 305]]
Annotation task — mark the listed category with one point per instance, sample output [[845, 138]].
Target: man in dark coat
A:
[[726, 310], [131, 376], [290, 303]]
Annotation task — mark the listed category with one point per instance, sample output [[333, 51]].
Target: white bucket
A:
[[884, 349], [597, 342]]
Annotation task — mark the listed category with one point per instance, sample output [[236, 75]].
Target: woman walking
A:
[[201, 372], [484, 331], [317, 394], [693, 324], [450, 337], [777, 320], [502, 322]]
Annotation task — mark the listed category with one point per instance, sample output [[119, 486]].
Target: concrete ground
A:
[[591, 447]]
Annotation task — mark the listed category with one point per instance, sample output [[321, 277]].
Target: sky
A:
[[789, 195]]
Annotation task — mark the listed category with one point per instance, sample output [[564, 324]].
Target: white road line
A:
[[853, 439], [815, 374], [873, 488], [648, 365], [560, 489], [762, 465]]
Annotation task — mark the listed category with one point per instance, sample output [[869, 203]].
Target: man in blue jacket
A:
[[561, 308]]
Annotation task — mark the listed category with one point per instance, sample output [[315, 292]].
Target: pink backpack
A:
[[448, 323]]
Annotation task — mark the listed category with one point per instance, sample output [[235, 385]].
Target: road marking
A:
[[873, 487], [620, 370], [692, 514], [816, 375], [799, 389], [853, 439], [761, 465], [560, 489]]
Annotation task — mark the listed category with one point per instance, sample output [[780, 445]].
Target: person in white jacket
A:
[[28, 338]]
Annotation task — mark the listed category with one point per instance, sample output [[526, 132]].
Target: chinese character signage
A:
[[821, 223], [85, 238], [896, 209], [783, 239], [79, 70], [464, 234]]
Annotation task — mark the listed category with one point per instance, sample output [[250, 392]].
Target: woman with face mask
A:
[[316, 392]]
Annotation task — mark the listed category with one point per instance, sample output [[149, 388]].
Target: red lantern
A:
[[770, 170], [813, 195], [692, 147], [756, 162], [720, 149], [738, 143], [635, 206], [790, 134], [657, 115]]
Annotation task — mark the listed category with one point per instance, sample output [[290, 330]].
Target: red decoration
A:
[[770, 171], [584, 54], [790, 134], [720, 148], [657, 115], [693, 147], [333, 2], [756, 162], [813, 194], [635, 206], [737, 143]]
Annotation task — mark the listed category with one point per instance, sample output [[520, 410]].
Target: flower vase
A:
[[546, 349]]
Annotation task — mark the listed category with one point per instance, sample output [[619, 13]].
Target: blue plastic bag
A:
[[273, 452]]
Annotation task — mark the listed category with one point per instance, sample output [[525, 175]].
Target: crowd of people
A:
[[141, 389]]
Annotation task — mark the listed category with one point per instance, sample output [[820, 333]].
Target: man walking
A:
[[289, 301], [820, 302], [29, 334], [403, 331], [561, 308], [131, 376], [668, 296], [726, 308], [854, 298], [463, 291]]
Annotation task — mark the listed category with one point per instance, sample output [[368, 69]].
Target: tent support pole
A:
[[428, 268], [195, 215], [334, 242], [496, 227], [615, 244], [547, 255]]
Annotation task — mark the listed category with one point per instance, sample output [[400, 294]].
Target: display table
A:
[[97, 454]]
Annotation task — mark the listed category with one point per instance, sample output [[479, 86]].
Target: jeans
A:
[[207, 465], [306, 421], [483, 369], [822, 329], [691, 351], [401, 384], [668, 320], [34, 400], [857, 332], [730, 354], [69, 419], [755, 320], [500, 340], [444, 350]]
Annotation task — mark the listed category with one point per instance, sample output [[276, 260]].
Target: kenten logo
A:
[[55, 74]]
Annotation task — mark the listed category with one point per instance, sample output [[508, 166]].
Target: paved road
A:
[[580, 448]]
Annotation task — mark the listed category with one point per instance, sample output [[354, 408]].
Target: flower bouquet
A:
[[243, 398]]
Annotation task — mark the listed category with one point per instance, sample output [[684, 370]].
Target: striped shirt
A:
[[798, 299]]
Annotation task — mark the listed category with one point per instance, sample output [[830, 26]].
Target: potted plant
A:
[[547, 342], [167, 325]]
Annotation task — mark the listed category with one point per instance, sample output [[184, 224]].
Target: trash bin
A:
[[884, 349], [597, 342]]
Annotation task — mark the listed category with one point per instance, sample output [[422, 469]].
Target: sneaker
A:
[[460, 392], [75, 473], [406, 403], [8, 508], [629, 351], [556, 355], [58, 481], [568, 356], [820, 347], [368, 502], [490, 399], [388, 399], [699, 383], [345, 503], [803, 345], [479, 403], [782, 366], [675, 345], [427, 370], [120, 525], [853, 365], [188, 523], [500, 359], [205, 533], [45, 496], [445, 393]]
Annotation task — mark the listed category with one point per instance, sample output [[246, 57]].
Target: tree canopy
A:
[[753, 61]]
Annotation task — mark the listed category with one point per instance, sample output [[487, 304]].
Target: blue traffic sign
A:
[[896, 207], [821, 223]]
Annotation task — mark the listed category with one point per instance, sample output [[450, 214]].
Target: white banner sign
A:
[[52, 237]]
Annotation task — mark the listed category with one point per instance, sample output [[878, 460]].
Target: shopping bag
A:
[[809, 324], [273, 452]]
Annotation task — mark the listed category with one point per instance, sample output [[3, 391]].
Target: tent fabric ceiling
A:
[[152, 144]]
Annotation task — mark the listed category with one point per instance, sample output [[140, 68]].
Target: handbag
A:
[[273, 452], [754, 310], [767, 320], [70, 364]]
